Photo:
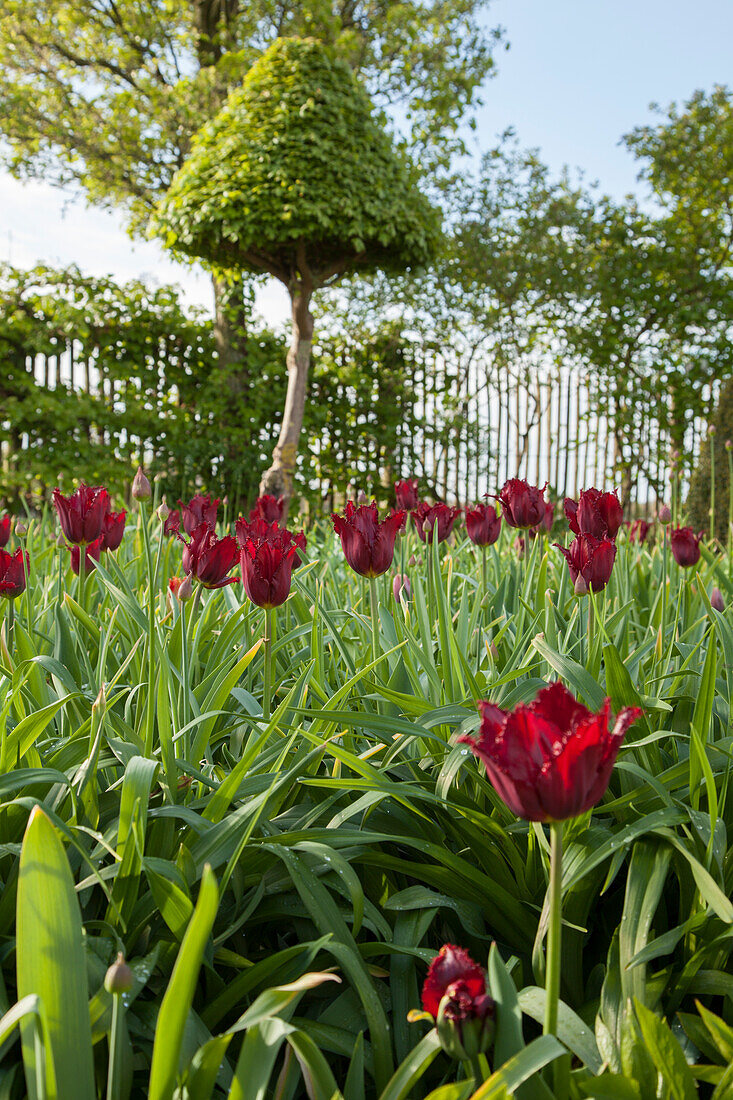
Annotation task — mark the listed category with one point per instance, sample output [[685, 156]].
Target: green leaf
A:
[[666, 1053]]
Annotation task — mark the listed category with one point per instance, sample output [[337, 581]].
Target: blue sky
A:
[[578, 74]]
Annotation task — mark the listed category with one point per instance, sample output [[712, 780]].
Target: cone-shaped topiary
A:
[[697, 505], [296, 177]]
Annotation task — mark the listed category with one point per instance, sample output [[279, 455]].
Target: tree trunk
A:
[[230, 329], [278, 480]]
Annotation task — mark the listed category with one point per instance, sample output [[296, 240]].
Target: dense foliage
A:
[[350, 834]]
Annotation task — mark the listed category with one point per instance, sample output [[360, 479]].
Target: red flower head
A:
[[82, 514], [454, 994], [208, 558], [434, 520], [92, 553], [172, 524], [551, 759], [547, 520], [368, 545], [113, 530], [199, 510], [13, 573], [267, 557], [4, 530], [685, 546], [268, 508], [483, 524], [639, 530], [523, 505], [590, 558], [594, 513], [405, 493], [258, 529]]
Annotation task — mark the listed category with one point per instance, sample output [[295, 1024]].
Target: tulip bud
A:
[[163, 511], [100, 703], [581, 585], [465, 1023], [141, 486], [185, 588], [119, 977], [21, 529], [400, 585], [711, 429], [729, 444], [716, 600], [665, 515], [361, 498]]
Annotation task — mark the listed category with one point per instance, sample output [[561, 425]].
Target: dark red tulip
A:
[[13, 573], [547, 520], [483, 524], [200, 509], [434, 520], [258, 529], [267, 564], [82, 514], [113, 530], [368, 544], [594, 513], [92, 554], [592, 559], [268, 508], [551, 759], [172, 524], [454, 994], [4, 530], [716, 600], [208, 558], [685, 546], [406, 494], [522, 505], [639, 530]]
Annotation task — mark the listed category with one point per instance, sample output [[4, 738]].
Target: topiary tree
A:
[[296, 177]]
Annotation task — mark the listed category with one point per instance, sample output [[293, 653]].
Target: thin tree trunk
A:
[[278, 480]]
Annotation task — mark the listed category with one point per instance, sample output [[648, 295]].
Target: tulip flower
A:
[[268, 508], [200, 509], [4, 530], [92, 554], [368, 544], [172, 522], [434, 520], [454, 994], [81, 515], [406, 494], [546, 522], [664, 515], [685, 546], [590, 558], [483, 524], [13, 573], [594, 513], [550, 759], [209, 558], [401, 584], [522, 505], [716, 600], [267, 563], [113, 530], [639, 530], [258, 528]]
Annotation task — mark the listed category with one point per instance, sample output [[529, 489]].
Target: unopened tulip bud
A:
[[361, 498], [581, 585], [400, 585], [21, 529], [60, 540], [163, 511], [185, 588], [100, 703], [412, 560], [665, 514], [729, 444], [493, 650], [119, 977], [711, 429], [141, 486], [716, 600]]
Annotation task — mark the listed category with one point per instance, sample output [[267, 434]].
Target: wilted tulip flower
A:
[[13, 573], [113, 530], [367, 543], [268, 508], [401, 584], [595, 513], [81, 515], [716, 600], [208, 558], [200, 509], [685, 546], [483, 524], [406, 494], [4, 530], [267, 560], [590, 558], [550, 759], [522, 505], [92, 554], [454, 994], [434, 520]]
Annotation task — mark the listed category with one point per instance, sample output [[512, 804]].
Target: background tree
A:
[[296, 178]]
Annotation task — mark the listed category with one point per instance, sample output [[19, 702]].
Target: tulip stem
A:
[[82, 575], [267, 695], [150, 713], [114, 1066], [730, 500], [664, 586], [374, 605], [554, 929], [711, 439], [484, 566], [184, 673], [591, 624]]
